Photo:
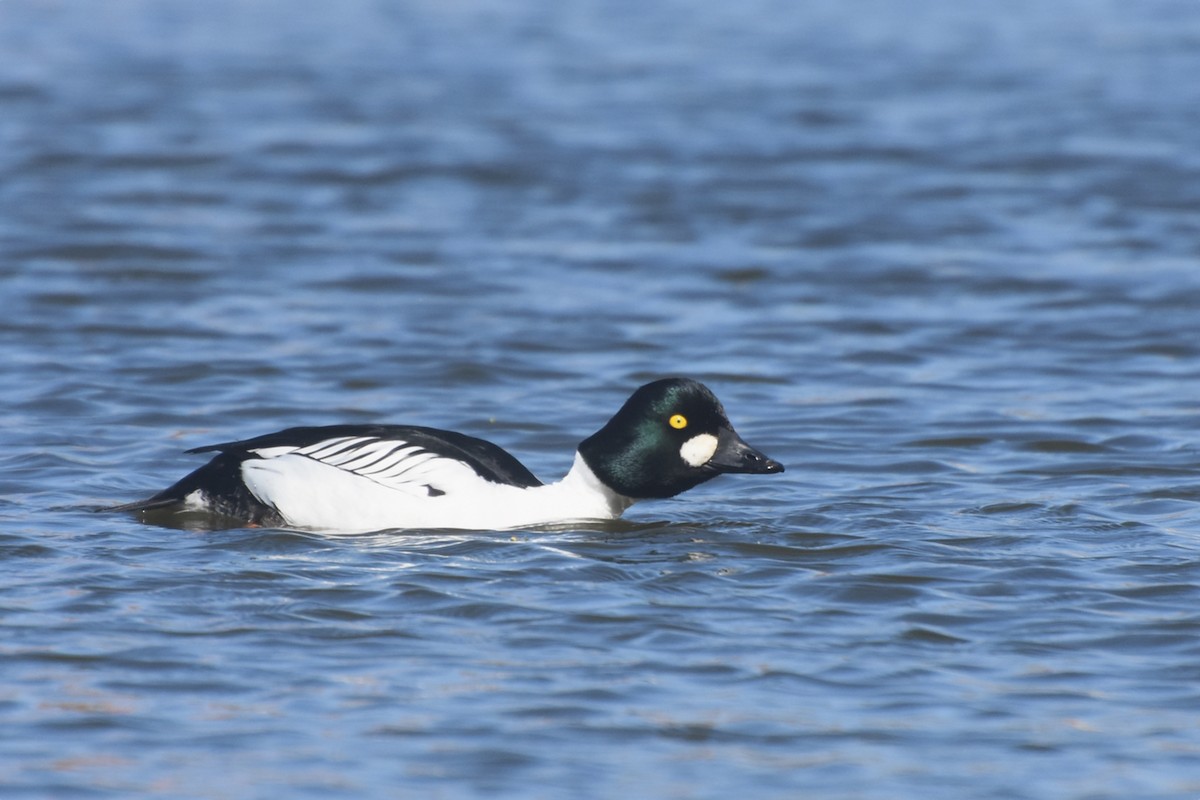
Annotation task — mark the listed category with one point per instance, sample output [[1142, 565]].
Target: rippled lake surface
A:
[[941, 259]]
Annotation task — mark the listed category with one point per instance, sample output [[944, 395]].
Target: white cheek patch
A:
[[697, 450]]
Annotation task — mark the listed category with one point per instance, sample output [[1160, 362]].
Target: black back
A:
[[490, 461]]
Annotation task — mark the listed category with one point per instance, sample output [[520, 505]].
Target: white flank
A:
[[393, 491], [697, 450]]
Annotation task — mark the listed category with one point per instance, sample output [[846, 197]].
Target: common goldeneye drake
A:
[[669, 436]]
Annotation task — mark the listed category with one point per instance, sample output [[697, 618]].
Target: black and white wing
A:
[[342, 476], [423, 462]]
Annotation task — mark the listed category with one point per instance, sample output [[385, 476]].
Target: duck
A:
[[670, 436]]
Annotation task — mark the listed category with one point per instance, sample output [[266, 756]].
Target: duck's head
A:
[[669, 436]]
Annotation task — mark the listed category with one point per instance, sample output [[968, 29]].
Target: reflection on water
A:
[[941, 262]]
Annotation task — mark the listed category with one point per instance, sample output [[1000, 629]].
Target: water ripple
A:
[[939, 262]]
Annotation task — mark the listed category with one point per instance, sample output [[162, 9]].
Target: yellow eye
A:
[[678, 422]]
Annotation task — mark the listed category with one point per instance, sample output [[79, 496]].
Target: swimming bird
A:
[[670, 436]]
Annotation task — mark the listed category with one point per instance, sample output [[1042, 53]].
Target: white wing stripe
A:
[[368, 455], [393, 463], [346, 453], [320, 449], [392, 459]]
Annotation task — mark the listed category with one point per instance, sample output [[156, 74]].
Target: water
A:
[[941, 260]]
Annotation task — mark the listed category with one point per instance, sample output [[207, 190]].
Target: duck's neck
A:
[[587, 492]]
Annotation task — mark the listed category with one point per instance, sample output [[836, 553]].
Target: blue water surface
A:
[[940, 259]]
